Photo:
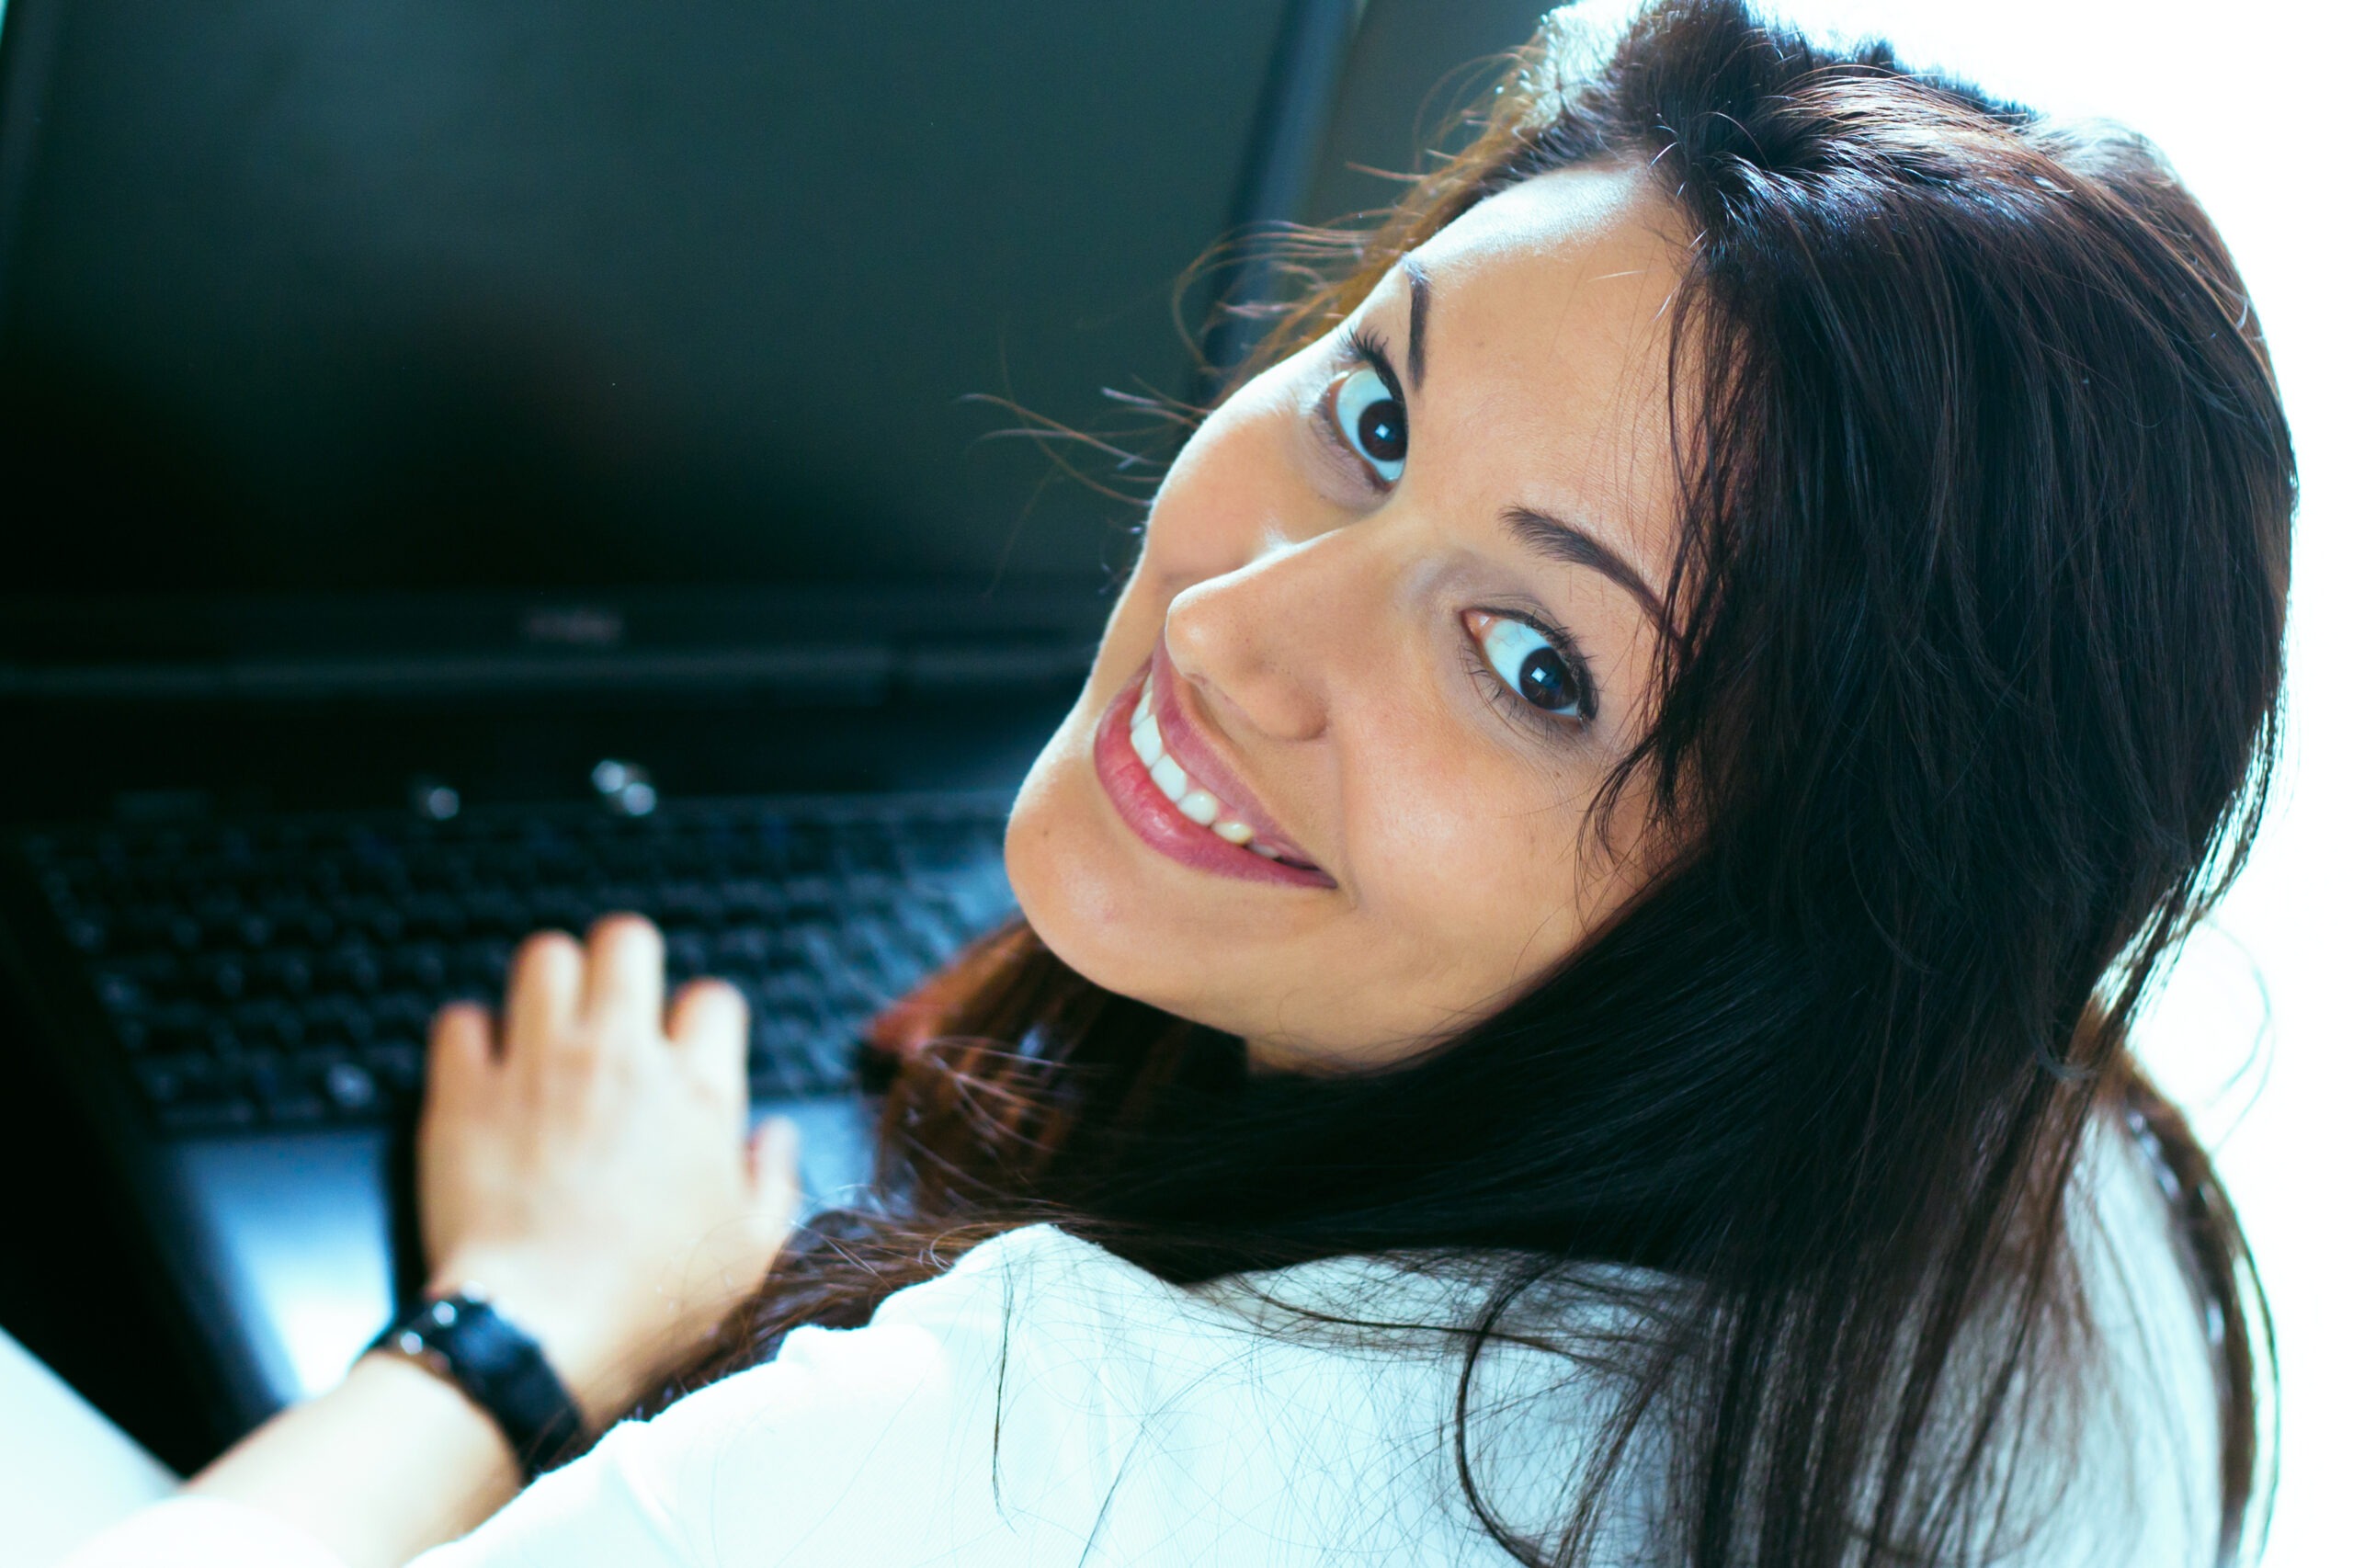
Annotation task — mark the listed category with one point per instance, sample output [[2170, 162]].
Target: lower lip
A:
[[1154, 818]]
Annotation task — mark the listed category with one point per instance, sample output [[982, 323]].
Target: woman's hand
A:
[[587, 1166]]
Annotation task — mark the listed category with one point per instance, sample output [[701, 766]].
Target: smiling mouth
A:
[[1197, 803], [1172, 809]]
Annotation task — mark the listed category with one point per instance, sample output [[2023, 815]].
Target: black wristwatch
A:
[[462, 1337]]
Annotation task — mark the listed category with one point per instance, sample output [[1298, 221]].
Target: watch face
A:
[[408, 1337], [461, 1339]]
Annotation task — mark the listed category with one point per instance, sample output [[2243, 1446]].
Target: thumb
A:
[[776, 1172]]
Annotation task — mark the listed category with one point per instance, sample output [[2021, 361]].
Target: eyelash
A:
[[1517, 710], [1362, 348]]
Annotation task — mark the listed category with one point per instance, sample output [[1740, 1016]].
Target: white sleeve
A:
[[952, 1428], [949, 1429], [202, 1532]]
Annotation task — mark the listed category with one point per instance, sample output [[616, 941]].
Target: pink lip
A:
[[1155, 819]]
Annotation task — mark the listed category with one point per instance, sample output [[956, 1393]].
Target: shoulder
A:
[[977, 1409], [1034, 1279], [932, 1353]]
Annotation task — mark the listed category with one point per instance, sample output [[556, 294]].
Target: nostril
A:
[[1256, 643]]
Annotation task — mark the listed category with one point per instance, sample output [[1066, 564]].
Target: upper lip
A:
[[1187, 736]]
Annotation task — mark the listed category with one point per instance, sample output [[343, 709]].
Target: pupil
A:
[[1381, 429], [1544, 680]]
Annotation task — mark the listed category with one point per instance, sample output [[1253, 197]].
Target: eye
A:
[[1532, 665], [1371, 421]]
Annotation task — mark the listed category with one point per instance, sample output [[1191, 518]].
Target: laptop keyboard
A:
[[281, 973]]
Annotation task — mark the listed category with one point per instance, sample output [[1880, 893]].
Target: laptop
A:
[[467, 467]]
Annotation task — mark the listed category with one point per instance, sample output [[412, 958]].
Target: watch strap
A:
[[497, 1366]]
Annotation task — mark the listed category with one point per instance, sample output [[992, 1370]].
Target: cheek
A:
[[1232, 493], [1471, 851]]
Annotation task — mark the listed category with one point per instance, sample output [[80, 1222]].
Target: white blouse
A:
[[1044, 1403]]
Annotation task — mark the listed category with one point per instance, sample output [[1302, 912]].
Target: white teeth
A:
[[1146, 740], [1171, 778]]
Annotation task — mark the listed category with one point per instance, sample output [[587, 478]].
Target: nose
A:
[[1266, 643]]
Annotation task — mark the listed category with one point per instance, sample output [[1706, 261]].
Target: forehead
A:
[[1547, 332], [1593, 242]]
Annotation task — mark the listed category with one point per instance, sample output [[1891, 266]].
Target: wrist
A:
[[463, 1425], [389, 1462], [467, 1341], [590, 1350]]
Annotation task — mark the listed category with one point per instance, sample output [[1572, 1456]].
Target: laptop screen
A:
[[305, 300]]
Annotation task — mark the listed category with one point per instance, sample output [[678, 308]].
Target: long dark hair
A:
[[1981, 590]]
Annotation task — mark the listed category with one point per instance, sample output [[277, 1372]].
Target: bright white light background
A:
[[2248, 100]]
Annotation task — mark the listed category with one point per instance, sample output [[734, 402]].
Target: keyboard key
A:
[[437, 914], [745, 947], [687, 954], [424, 966], [397, 1069], [224, 977], [354, 966], [120, 993], [288, 972], [479, 969], [494, 912], [350, 1087]]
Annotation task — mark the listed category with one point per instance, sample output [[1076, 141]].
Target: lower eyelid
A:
[[1588, 695]]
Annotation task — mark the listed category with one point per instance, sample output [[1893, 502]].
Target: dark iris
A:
[[1381, 430], [1544, 680]]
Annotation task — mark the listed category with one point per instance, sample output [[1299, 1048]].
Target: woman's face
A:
[[1395, 618]]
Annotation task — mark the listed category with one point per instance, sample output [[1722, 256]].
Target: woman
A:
[[1576, 950]]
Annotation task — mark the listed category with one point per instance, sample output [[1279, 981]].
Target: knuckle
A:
[[575, 1048]]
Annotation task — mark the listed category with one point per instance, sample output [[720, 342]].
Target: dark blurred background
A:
[[536, 296]]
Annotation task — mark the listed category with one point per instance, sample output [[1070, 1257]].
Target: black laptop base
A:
[[235, 999]]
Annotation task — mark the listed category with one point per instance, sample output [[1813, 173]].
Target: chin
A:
[[1078, 885], [1055, 859]]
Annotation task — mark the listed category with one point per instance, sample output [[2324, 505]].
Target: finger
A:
[[623, 987], [710, 1024], [458, 1051], [542, 990], [776, 1173]]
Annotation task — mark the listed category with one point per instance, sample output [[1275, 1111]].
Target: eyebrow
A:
[[1416, 318], [1548, 536], [1557, 539]]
